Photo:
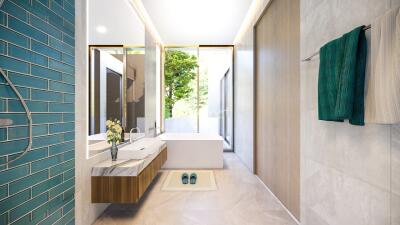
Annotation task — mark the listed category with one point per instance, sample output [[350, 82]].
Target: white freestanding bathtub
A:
[[193, 151]]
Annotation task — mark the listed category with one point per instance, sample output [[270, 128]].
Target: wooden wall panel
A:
[[277, 101]]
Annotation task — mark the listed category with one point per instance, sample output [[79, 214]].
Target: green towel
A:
[[341, 78]]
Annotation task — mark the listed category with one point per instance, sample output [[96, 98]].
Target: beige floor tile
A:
[[240, 200]]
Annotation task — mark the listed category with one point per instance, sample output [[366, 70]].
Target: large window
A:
[[198, 91], [181, 92]]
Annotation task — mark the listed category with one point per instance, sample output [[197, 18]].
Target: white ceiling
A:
[[119, 21], [192, 22]]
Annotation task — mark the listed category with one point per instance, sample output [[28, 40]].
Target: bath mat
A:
[[205, 181]]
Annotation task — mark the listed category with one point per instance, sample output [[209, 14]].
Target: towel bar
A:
[[316, 53]]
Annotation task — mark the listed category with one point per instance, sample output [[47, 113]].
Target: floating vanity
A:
[[127, 179]]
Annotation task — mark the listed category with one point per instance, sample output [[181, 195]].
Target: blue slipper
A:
[[185, 178], [193, 178]]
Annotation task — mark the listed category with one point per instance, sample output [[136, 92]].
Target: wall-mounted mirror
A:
[[116, 92]]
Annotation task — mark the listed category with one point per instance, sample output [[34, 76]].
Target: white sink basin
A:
[[140, 149]]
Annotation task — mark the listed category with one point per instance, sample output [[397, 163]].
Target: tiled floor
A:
[[240, 200]]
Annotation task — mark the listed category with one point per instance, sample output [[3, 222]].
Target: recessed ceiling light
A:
[[101, 29]]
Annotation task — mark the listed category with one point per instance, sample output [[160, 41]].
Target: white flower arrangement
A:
[[114, 131]]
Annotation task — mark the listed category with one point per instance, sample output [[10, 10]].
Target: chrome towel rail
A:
[[316, 53]]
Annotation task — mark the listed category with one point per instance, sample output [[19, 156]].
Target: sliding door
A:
[[277, 104]]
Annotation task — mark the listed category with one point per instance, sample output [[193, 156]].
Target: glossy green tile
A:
[[52, 218], [26, 29], [28, 206], [3, 134], [26, 220], [41, 29], [13, 174], [68, 117], [69, 136], [13, 37], [45, 27], [3, 48], [30, 81], [38, 130], [2, 161], [57, 8], [60, 2], [70, 79], [3, 105], [59, 66], [69, 40], [62, 87], [62, 188], [62, 147], [61, 127], [45, 73], [69, 174], [17, 132], [3, 18], [8, 63], [61, 107], [69, 28], [67, 218], [61, 46], [4, 218], [47, 118], [46, 96], [11, 147], [44, 2], [15, 10], [7, 92], [46, 163], [14, 200], [33, 106], [16, 119], [68, 59], [69, 155], [22, 132], [69, 98], [31, 156], [28, 181], [40, 213], [56, 203], [62, 168], [42, 141], [44, 12], [45, 50], [71, 2], [3, 191], [68, 207], [69, 193], [47, 185], [24, 54]]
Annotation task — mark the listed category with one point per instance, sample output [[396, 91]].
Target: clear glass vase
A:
[[114, 151]]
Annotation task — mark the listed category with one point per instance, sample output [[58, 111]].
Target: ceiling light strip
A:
[[144, 16], [252, 14]]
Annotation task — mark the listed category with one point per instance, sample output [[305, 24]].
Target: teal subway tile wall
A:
[[37, 52]]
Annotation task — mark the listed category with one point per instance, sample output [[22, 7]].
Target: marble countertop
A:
[[132, 158]]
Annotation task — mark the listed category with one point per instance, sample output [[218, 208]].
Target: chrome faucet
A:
[[130, 133]]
